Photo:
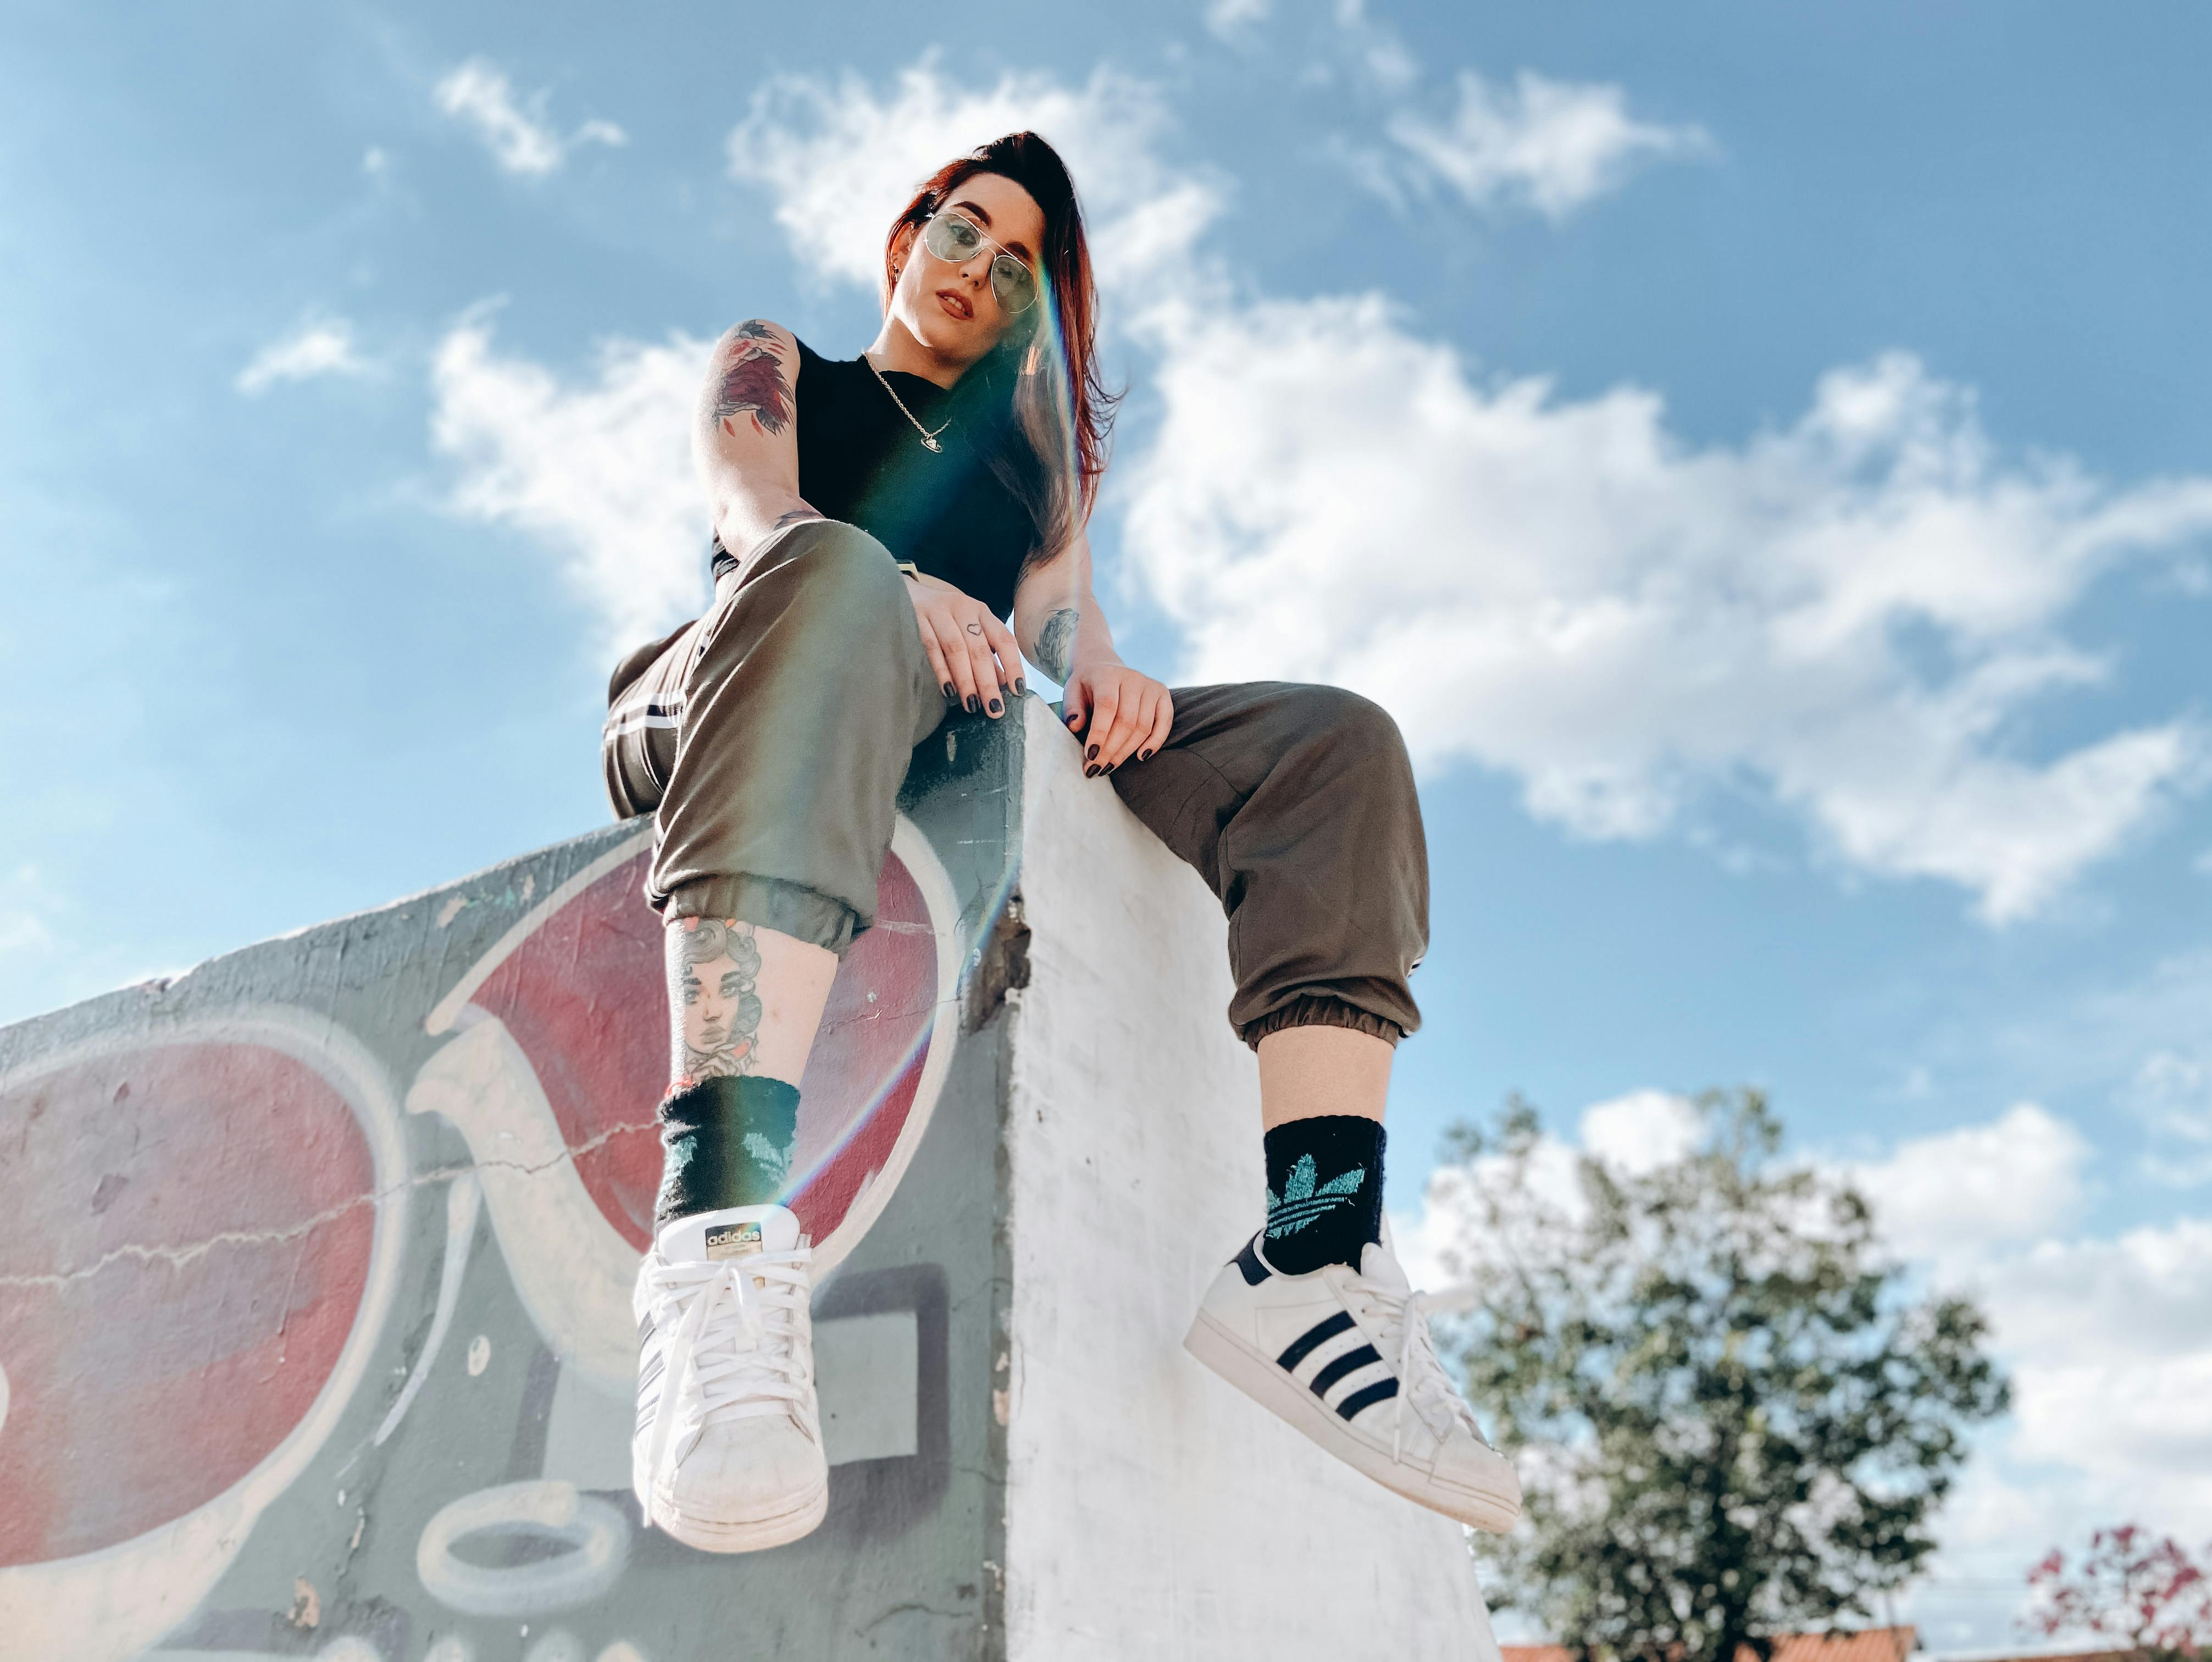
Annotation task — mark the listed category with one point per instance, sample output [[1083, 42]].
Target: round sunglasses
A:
[[954, 237]]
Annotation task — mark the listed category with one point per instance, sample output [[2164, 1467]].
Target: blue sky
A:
[[1759, 453]]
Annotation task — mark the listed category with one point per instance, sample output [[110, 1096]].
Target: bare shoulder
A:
[[751, 381]]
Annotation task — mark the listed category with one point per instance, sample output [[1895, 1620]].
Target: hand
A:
[[1116, 711], [973, 652]]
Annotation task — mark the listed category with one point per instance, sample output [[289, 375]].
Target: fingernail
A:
[[1090, 755], [997, 707], [1144, 756], [1091, 772], [948, 690], [973, 705], [1109, 767], [1020, 687], [1072, 720]]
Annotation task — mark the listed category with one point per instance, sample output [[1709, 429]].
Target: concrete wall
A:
[[314, 1272], [315, 1267], [1156, 1512]]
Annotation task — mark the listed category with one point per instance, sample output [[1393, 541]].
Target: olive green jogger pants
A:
[[770, 737]]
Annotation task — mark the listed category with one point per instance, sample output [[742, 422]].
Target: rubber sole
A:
[[755, 1535], [1260, 1378]]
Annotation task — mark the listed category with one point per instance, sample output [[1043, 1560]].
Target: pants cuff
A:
[[1319, 1010], [767, 902]]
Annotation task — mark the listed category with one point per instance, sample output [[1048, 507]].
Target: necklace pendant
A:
[[931, 443]]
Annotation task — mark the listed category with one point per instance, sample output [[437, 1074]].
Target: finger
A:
[[1114, 744], [1162, 724], [1105, 705], [1075, 704], [1010, 655], [980, 663], [935, 652], [958, 663]]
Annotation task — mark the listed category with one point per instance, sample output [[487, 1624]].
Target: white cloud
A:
[[1952, 1198], [323, 347], [1642, 1131], [520, 139], [1553, 145], [840, 160], [1230, 19], [602, 470], [1567, 592]]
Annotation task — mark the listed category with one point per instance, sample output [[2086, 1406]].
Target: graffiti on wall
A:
[[247, 1247]]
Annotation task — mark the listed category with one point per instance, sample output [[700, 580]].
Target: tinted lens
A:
[[951, 237], [1012, 282]]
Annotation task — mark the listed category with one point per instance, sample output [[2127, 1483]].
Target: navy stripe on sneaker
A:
[[1248, 1263], [1351, 1362], [1319, 1334], [1380, 1391]]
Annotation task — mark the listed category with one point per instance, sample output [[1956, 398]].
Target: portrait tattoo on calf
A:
[[713, 965], [752, 382], [1056, 644]]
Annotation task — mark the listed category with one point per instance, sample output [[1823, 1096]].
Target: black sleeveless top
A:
[[862, 461]]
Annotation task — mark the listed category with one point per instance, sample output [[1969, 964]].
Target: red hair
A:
[[1060, 397]]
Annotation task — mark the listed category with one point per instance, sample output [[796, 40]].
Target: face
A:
[[713, 991], [950, 308]]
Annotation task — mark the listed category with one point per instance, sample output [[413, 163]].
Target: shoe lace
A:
[[737, 1349], [1423, 1384]]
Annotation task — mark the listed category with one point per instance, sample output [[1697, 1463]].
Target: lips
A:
[[955, 304]]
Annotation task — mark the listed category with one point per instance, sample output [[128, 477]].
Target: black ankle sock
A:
[[1324, 1191], [725, 1142]]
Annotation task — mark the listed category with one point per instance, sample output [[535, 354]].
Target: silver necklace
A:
[[928, 438]]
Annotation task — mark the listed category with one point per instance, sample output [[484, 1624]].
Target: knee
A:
[[1358, 727], [846, 581]]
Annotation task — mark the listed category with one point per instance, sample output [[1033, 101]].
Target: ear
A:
[[901, 251]]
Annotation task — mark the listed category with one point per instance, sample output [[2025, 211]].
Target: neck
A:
[[896, 347]]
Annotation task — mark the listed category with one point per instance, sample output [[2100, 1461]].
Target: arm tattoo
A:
[[751, 381], [1056, 644], [712, 966]]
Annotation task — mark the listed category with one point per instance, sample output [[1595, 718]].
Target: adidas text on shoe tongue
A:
[[734, 1232]]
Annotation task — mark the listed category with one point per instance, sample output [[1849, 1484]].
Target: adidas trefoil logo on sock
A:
[[773, 1162], [1302, 1201]]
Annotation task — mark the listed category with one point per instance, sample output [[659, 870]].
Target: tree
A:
[[1731, 1416], [2147, 1597]]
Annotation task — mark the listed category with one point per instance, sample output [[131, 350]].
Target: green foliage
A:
[[1731, 1417]]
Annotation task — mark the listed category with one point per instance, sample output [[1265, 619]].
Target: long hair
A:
[[1050, 354]]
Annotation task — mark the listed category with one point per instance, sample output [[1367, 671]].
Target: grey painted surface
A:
[[302, 1361]]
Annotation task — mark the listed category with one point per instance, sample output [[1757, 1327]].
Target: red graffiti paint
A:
[[586, 998], [195, 1250]]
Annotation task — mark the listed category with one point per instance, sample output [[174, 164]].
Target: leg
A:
[[771, 738], [1297, 805]]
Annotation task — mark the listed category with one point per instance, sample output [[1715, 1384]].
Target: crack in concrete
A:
[[179, 1257]]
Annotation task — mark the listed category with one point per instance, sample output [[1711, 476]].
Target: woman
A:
[[875, 520]]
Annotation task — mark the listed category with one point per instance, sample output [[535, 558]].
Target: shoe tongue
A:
[[1378, 1264], [734, 1232]]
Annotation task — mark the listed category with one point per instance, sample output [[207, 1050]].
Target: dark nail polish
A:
[[1144, 756], [973, 705], [996, 709], [1020, 687], [1109, 767], [1073, 721], [1090, 755], [1091, 772], [949, 692]]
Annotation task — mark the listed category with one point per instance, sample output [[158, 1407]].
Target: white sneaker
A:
[[727, 1454], [1345, 1355]]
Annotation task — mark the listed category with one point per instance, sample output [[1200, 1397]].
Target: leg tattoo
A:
[[713, 965]]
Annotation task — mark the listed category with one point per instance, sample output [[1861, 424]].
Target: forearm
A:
[[1058, 620]]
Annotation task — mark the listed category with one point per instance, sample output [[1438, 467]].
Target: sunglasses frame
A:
[[1035, 282]]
